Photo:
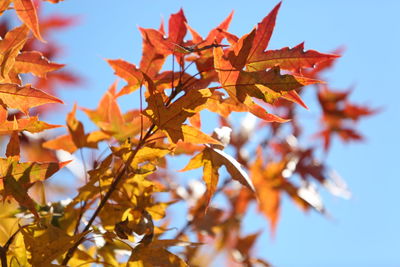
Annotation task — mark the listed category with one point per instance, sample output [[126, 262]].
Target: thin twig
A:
[[108, 194], [3, 256], [141, 110], [173, 76], [3, 250]]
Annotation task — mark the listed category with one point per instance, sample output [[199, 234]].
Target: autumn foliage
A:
[[118, 214]]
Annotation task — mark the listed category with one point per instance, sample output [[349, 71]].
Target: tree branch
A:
[[108, 194]]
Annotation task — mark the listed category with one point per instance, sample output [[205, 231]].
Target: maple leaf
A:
[[324, 65], [267, 191], [19, 193], [177, 27], [10, 47], [30, 172], [65, 142], [177, 80], [245, 243], [46, 244], [269, 182], [338, 116], [4, 5], [215, 34], [24, 97], [35, 63], [13, 147], [292, 59], [56, 22], [144, 256], [129, 73], [265, 85], [76, 138], [19, 177], [26, 12], [153, 56], [289, 59], [109, 118], [203, 48], [156, 47], [211, 159], [144, 154], [30, 124], [170, 119], [308, 166], [263, 33]]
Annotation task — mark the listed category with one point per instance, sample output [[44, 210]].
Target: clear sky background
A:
[[364, 230]]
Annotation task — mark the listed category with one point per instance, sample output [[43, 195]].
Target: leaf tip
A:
[[64, 163]]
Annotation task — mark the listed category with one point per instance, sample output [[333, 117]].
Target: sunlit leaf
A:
[[292, 59], [30, 124], [24, 97], [129, 73], [10, 47], [46, 244], [26, 12], [35, 63]]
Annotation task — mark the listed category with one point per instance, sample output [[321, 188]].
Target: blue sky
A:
[[363, 231]]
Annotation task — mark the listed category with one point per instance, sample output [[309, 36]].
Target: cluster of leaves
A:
[[122, 205]]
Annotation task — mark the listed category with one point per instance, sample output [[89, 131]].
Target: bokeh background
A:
[[362, 231]]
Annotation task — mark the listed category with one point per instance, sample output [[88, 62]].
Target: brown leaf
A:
[[13, 149]]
